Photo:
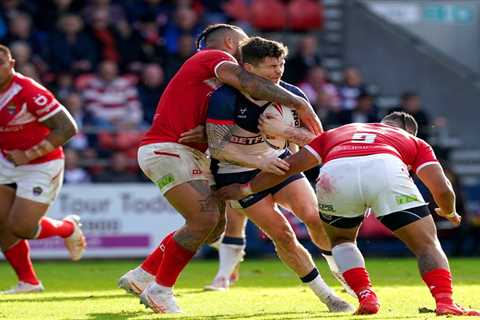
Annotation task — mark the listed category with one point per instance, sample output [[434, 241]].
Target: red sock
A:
[[19, 258], [174, 261], [51, 227], [358, 280], [439, 281], [152, 262]]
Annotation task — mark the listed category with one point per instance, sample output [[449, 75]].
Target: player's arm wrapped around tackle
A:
[[220, 147]]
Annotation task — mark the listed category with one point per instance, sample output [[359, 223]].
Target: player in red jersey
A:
[[176, 163], [366, 167], [33, 127]]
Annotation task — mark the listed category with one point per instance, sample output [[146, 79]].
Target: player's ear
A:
[[247, 66]]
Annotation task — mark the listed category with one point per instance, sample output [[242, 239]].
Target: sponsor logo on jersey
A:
[[196, 171], [165, 181], [246, 140], [11, 109], [404, 199]]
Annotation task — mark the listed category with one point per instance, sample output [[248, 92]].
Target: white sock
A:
[[347, 256], [229, 255], [331, 262], [337, 274], [319, 287]]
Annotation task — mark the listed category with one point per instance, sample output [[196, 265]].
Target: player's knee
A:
[[311, 218], [205, 223]]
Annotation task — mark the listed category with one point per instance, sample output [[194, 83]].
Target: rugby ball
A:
[[288, 117]]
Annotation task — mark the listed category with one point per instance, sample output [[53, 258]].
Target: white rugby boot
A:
[[135, 281], [24, 287], [159, 299], [76, 242], [337, 304], [218, 284]]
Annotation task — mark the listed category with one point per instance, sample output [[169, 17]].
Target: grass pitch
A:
[[267, 290]]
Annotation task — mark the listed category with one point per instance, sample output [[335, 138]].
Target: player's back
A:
[[183, 104], [367, 139]]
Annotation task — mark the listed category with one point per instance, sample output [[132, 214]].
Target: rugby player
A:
[[366, 167], [235, 140], [178, 165], [33, 128]]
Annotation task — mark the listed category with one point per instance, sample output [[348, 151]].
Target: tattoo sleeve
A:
[[62, 128], [256, 86], [298, 136], [221, 149]]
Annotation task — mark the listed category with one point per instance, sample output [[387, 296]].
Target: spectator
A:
[[305, 58], [185, 51], [71, 48], [118, 171], [63, 85], [113, 11], [150, 89], [364, 112], [184, 22], [20, 29], [411, 103], [317, 84], [74, 104], [149, 39], [74, 174], [112, 99], [351, 88]]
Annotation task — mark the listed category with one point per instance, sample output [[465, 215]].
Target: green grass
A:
[[267, 290]]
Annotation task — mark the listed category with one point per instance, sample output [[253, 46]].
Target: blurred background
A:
[[109, 61]]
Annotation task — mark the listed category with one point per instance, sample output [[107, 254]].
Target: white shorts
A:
[[171, 164], [37, 182], [347, 187]]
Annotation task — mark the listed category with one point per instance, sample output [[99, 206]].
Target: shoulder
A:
[[225, 94], [293, 89], [209, 54], [29, 84]]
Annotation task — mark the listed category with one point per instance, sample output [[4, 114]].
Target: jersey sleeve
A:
[[214, 58], [315, 147], [221, 107], [294, 89], [41, 102], [425, 156]]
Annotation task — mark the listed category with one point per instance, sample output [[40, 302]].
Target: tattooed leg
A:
[[201, 212]]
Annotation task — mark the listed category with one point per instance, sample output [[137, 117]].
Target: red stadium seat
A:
[[305, 15], [237, 9], [268, 15]]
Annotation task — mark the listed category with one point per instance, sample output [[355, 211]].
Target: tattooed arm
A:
[[262, 89], [219, 135], [62, 128]]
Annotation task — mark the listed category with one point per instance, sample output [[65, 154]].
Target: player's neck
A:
[[7, 82]]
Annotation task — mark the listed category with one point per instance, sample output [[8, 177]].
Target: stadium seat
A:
[[237, 9], [305, 15], [268, 15]]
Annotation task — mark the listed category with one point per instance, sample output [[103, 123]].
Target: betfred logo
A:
[[196, 171]]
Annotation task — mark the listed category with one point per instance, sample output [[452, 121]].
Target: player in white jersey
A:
[[237, 143]]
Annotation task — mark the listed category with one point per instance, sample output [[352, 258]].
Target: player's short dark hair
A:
[[402, 120], [255, 49], [5, 50], [407, 95], [212, 30]]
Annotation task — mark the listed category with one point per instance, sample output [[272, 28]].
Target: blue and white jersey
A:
[[229, 106]]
